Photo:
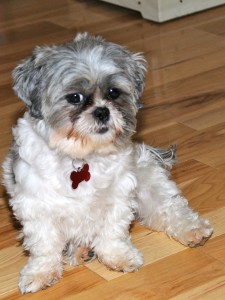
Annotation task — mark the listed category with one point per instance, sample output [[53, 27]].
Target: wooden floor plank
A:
[[215, 289], [187, 68], [216, 27], [189, 170], [161, 280], [181, 46]]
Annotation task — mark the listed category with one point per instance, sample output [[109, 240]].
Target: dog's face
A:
[[87, 92]]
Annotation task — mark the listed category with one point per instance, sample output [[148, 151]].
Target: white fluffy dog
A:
[[74, 176]]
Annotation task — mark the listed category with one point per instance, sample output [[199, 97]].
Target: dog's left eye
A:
[[113, 93], [75, 98]]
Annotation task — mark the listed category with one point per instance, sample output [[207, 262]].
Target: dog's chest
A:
[[92, 202], [96, 176]]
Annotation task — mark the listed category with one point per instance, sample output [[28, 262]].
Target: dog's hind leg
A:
[[161, 205], [80, 255]]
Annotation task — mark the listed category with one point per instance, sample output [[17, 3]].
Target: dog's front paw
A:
[[129, 261], [198, 235], [34, 280]]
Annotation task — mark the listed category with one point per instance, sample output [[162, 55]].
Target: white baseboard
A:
[[164, 10]]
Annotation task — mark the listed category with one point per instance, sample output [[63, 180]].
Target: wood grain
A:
[[184, 105]]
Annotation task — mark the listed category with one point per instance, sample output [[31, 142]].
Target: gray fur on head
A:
[[39, 77], [104, 78], [27, 78]]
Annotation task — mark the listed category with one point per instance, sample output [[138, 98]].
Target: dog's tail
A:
[[166, 157]]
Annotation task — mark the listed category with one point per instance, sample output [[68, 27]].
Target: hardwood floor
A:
[[184, 105]]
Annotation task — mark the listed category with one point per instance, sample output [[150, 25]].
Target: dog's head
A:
[[86, 91]]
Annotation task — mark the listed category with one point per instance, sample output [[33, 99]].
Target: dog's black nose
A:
[[102, 114]]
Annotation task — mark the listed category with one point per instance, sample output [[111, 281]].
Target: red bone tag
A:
[[78, 176]]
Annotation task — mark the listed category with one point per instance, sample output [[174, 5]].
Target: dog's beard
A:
[[83, 135]]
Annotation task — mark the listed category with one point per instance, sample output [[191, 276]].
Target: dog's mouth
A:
[[103, 130]]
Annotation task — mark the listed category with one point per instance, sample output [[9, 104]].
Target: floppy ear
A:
[[27, 78], [139, 70]]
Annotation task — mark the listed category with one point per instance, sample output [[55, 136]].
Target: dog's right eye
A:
[[75, 98]]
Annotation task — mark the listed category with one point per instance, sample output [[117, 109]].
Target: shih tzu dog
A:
[[75, 178]]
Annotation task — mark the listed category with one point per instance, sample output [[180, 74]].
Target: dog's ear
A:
[[138, 69], [27, 79]]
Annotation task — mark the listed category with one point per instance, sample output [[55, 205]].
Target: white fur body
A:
[[43, 175], [99, 212], [82, 99]]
